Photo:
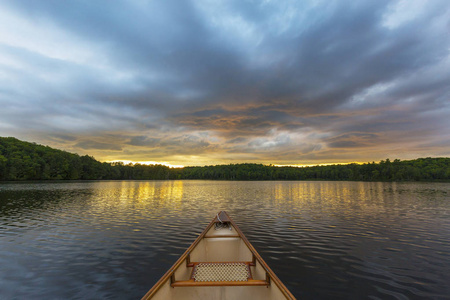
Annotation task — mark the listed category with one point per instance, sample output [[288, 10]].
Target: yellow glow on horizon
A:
[[318, 165], [126, 162]]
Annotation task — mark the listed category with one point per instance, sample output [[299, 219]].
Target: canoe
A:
[[220, 264]]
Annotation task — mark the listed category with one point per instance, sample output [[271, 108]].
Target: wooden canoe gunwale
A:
[[270, 275], [169, 273]]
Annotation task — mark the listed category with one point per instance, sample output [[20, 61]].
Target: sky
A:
[[210, 82]]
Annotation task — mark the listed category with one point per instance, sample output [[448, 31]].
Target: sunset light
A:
[[281, 83], [130, 130], [148, 163]]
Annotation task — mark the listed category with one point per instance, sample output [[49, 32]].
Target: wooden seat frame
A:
[[191, 282]]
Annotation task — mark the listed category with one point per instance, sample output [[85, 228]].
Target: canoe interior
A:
[[223, 245]]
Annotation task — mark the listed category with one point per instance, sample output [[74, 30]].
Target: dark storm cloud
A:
[[352, 140], [237, 140], [143, 141], [97, 145], [289, 81]]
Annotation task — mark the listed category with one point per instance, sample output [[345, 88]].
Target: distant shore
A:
[[23, 161]]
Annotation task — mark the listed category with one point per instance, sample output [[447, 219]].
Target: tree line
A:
[[21, 160]]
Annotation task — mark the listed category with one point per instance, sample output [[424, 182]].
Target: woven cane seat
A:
[[232, 271]]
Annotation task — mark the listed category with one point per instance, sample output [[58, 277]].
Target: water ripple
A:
[[114, 240]]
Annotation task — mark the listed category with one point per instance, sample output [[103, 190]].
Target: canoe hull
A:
[[220, 245]]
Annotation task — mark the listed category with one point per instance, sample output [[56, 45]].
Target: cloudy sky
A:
[[221, 81]]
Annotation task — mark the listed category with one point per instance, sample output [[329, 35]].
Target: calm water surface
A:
[[325, 240]]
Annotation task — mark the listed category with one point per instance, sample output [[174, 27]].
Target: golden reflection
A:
[[146, 197], [279, 192], [144, 191], [320, 198], [298, 199]]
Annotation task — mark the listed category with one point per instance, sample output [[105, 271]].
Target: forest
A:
[[21, 161]]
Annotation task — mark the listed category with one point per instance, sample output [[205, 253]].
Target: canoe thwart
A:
[[248, 263], [222, 236], [191, 283]]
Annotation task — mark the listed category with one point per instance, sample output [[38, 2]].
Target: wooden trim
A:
[[220, 262], [193, 264], [192, 273], [250, 282], [188, 259], [250, 275], [221, 236]]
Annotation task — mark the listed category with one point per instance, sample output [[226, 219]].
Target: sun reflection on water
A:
[[121, 236], [130, 202]]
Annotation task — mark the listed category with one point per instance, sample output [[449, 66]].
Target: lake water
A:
[[324, 240]]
